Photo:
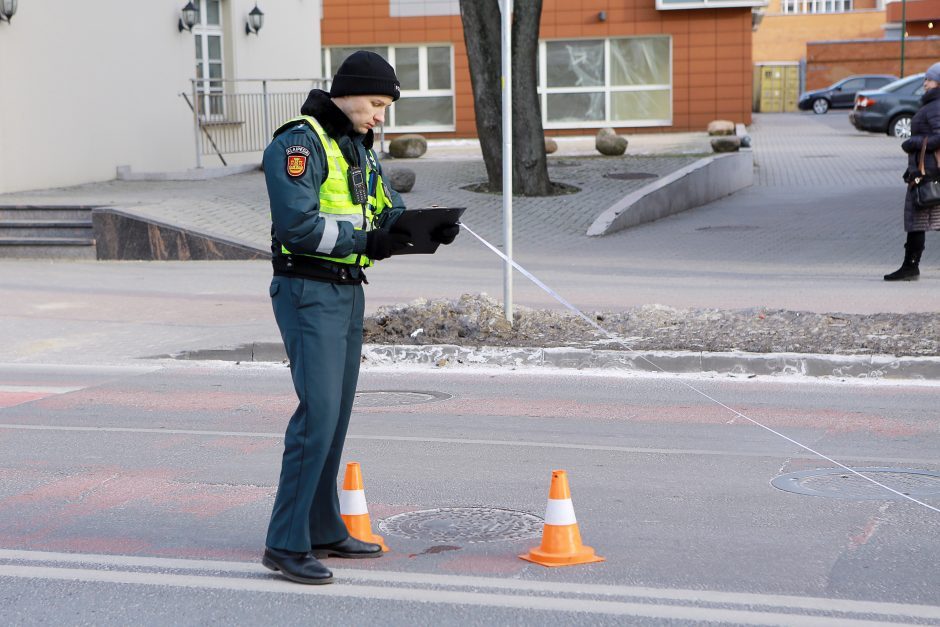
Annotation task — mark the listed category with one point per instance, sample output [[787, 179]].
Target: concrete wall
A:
[[698, 184], [87, 87], [288, 45]]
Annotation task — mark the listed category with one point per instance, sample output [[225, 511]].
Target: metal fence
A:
[[234, 116]]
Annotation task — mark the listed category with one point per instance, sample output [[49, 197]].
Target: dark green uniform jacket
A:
[[295, 217]]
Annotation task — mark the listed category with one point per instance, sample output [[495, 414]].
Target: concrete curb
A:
[[672, 362], [196, 174], [700, 183]]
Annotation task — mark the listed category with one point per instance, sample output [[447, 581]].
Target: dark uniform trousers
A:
[[321, 325]]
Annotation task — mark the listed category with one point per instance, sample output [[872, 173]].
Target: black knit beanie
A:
[[365, 73]]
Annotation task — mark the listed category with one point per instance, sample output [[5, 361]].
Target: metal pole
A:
[[903, 32], [198, 130], [264, 111], [507, 155]]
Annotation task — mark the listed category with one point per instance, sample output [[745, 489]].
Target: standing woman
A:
[[924, 125]]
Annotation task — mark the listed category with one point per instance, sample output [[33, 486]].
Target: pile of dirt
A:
[[478, 320]]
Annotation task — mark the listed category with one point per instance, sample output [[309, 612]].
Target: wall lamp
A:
[[188, 17], [757, 16], [7, 9], [602, 16], [255, 21]]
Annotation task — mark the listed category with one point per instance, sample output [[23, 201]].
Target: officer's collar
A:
[[332, 118]]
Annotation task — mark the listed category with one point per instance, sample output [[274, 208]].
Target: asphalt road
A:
[[141, 494], [136, 491]]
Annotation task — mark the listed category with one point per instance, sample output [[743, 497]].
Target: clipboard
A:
[[420, 223]]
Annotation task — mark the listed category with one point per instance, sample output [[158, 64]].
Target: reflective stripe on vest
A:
[[336, 202]]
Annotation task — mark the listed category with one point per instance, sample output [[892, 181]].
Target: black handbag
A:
[[926, 190]]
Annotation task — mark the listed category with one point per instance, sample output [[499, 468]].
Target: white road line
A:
[[786, 602], [425, 595], [239, 434], [795, 454], [38, 389]]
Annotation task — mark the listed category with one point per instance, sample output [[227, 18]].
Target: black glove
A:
[[381, 244], [446, 233]]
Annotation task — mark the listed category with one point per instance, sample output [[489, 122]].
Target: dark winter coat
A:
[[924, 124], [295, 200]]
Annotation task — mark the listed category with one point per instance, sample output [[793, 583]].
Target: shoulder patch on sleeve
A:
[[297, 160]]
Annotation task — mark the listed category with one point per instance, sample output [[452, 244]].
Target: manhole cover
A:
[[737, 227], [818, 156], [464, 524], [630, 176], [386, 398], [841, 484]]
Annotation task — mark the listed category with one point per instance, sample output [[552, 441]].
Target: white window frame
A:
[[422, 92], [799, 7], [204, 91], [544, 91]]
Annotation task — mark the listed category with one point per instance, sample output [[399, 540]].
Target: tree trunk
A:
[[530, 167], [482, 36]]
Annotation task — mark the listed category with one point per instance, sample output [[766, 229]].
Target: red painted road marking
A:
[[9, 399], [11, 395]]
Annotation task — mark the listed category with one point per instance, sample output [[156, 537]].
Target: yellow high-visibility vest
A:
[[336, 201]]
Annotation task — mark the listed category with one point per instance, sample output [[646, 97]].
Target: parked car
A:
[[889, 109], [841, 94]]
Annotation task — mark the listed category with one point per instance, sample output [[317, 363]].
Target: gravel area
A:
[[477, 319]]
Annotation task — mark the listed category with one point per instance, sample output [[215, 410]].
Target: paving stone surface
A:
[[236, 207], [793, 155]]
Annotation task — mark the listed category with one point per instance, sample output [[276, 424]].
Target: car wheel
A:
[[820, 105], [900, 127]]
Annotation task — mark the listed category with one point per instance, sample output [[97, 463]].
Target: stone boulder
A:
[[728, 143], [609, 143], [408, 146], [551, 146], [721, 127], [400, 179]]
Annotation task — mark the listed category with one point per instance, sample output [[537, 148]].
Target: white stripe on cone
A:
[[353, 502], [560, 512]]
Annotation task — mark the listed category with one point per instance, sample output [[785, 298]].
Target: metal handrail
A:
[[242, 112]]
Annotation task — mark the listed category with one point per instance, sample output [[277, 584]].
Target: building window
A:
[[427, 85], [623, 82], [208, 38], [816, 6]]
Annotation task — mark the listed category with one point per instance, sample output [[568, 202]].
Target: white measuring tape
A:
[[624, 343]]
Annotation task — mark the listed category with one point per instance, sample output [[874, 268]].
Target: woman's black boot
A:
[[909, 270]]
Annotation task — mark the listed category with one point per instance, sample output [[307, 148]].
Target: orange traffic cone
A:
[[561, 540], [353, 508]]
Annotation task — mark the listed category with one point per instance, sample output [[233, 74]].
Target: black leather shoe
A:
[[299, 567], [350, 547]]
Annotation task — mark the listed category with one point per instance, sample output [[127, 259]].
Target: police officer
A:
[[331, 216]]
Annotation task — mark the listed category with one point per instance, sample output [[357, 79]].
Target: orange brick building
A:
[[923, 17], [828, 61], [623, 64], [789, 24]]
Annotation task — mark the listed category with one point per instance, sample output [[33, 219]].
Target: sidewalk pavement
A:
[[816, 232], [235, 208]]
